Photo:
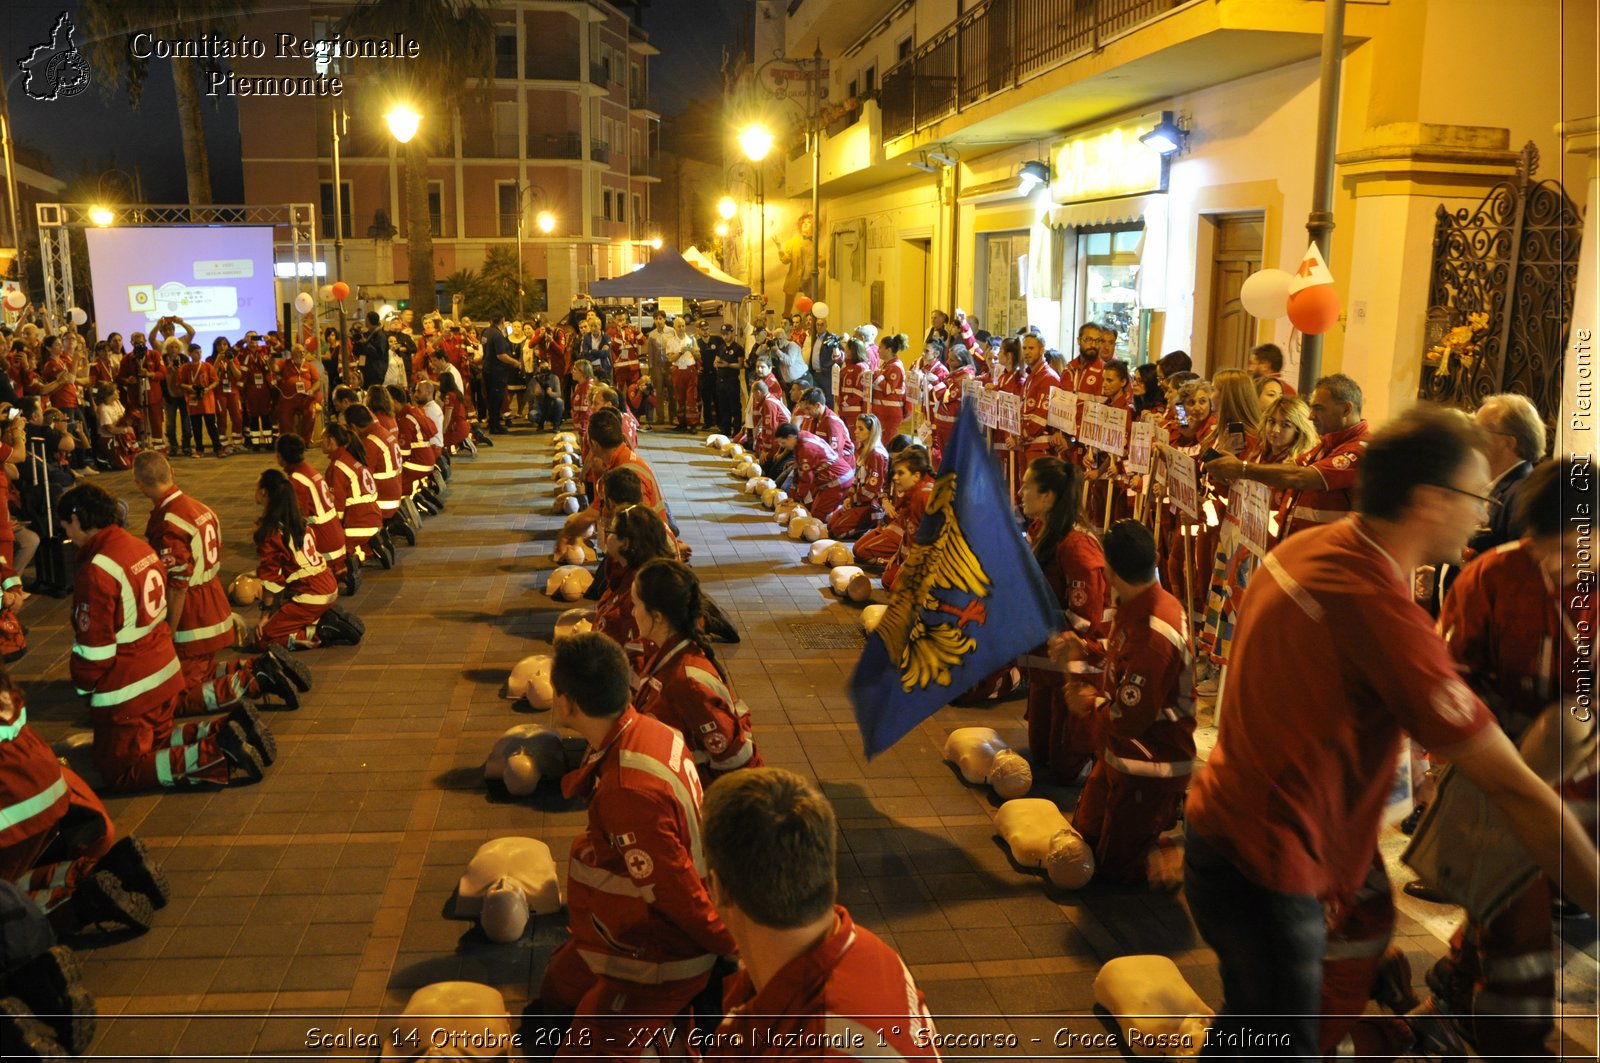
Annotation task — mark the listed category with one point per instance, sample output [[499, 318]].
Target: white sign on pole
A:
[[1141, 444], [1104, 428], [1251, 502], [987, 404], [1063, 412], [1010, 413], [1182, 486]]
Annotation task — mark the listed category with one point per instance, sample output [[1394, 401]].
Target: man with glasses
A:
[[1515, 440], [1333, 663], [1323, 480]]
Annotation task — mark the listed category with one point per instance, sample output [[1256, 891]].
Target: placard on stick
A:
[[1182, 486], [1141, 447], [1063, 412]]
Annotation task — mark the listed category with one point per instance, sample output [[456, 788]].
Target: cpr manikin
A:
[[451, 1020], [1040, 836], [524, 756], [984, 758]]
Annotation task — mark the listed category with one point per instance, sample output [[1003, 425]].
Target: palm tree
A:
[[456, 65], [107, 26]]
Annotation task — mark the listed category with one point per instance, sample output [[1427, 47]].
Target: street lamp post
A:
[[339, 118], [546, 223], [756, 141]]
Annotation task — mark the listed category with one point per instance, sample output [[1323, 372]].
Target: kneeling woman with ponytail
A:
[[683, 683], [300, 589]]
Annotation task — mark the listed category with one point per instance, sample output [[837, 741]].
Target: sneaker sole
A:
[[108, 901], [256, 732], [142, 872], [297, 673], [241, 752]]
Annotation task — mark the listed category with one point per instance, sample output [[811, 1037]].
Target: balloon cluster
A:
[[1306, 296]]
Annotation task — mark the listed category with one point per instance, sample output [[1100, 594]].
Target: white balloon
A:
[[1265, 293], [303, 302], [77, 316], [325, 293], [819, 311], [16, 299]]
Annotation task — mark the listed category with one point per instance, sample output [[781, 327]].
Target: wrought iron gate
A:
[[1513, 257]]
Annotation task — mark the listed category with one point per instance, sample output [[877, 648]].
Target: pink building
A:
[[568, 132]]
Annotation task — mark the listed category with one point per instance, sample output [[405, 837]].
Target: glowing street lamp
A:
[[403, 122], [101, 216], [655, 243], [756, 141], [727, 208], [546, 222], [721, 229]]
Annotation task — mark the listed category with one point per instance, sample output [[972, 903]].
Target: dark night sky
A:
[[92, 132]]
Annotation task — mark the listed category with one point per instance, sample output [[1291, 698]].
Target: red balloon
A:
[[341, 290], [802, 304], [1314, 310]]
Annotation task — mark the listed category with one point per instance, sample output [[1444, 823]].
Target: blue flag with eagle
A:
[[968, 601]]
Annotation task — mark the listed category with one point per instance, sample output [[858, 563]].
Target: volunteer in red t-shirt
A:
[[807, 971], [1333, 663], [1323, 480]]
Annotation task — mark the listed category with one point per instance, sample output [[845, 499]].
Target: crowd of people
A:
[[1319, 644], [172, 676]]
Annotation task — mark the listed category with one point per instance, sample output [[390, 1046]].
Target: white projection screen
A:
[[218, 279]]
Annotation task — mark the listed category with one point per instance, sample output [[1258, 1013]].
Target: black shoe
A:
[[1409, 824], [23, 1035], [100, 898], [271, 680], [298, 673], [131, 862], [1424, 892], [242, 753], [51, 984], [428, 508], [405, 531], [715, 623], [352, 576], [383, 547], [339, 627], [255, 730]]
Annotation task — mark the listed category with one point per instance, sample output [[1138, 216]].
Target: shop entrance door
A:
[[1236, 253], [910, 313]]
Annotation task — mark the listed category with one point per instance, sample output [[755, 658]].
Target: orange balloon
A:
[[341, 290], [1314, 310]]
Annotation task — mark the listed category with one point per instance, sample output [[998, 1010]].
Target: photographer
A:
[[172, 362]]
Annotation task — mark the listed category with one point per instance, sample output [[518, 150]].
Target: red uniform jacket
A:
[[948, 408], [66, 396], [636, 897], [889, 398], [203, 376], [818, 466], [1337, 457], [851, 983], [134, 397], [854, 381], [301, 379], [355, 494], [872, 475], [1148, 704], [188, 537], [1515, 634], [383, 459], [1084, 375], [1344, 661], [1036, 407], [122, 655], [1076, 576], [830, 427], [295, 574], [34, 792], [156, 373], [613, 613], [459, 425], [416, 428], [773, 412], [624, 457], [681, 687], [320, 511]]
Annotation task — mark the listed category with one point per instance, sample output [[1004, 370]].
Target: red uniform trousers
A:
[[136, 746], [880, 544], [294, 416], [828, 500], [890, 417], [49, 865], [1122, 815], [1358, 937], [624, 377], [686, 389], [1061, 744], [294, 624], [260, 407], [853, 520], [210, 686], [155, 424], [610, 1010], [230, 415]]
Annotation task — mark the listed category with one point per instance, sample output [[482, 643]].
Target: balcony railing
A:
[[649, 166], [505, 145], [998, 46], [600, 224], [555, 146], [553, 68], [599, 151], [599, 75]]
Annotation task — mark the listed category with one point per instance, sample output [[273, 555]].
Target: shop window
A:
[[1108, 282], [1002, 303]]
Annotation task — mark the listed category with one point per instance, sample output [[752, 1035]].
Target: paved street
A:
[[318, 897]]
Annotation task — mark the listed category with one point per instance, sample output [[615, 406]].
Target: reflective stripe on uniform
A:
[[1524, 968], [1308, 605], [629, 758], [102, 698], [316, 599], [1305, 514], [1149, 769], [196, 634], [606, 882], [22, 811], [643, 971]]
